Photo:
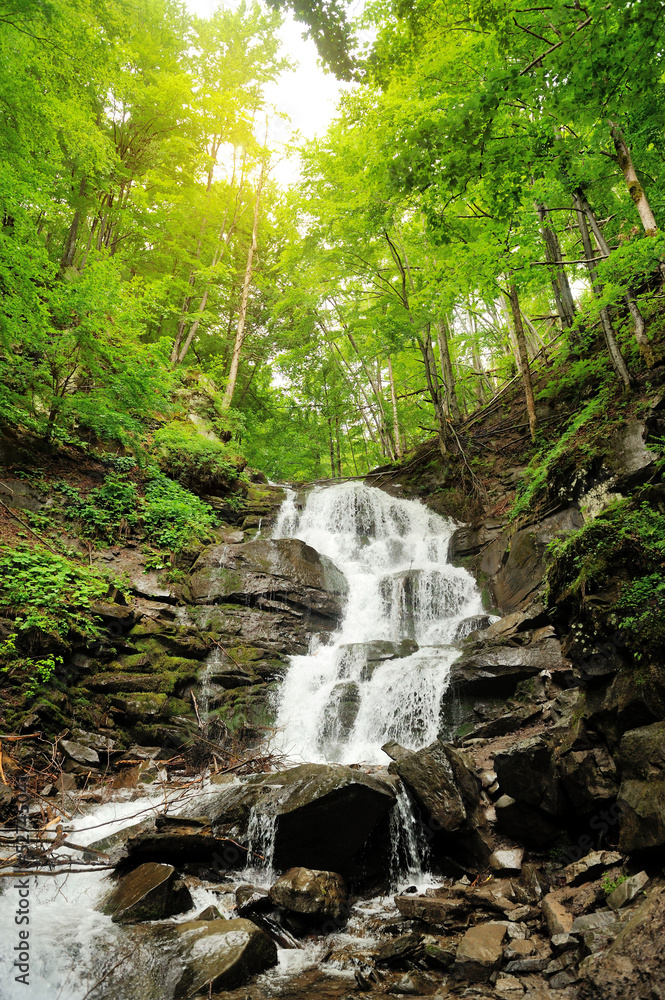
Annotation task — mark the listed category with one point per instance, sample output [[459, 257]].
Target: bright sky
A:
[[307, 95]]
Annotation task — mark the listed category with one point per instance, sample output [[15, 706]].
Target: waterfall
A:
[[385, 672], [410, 847]]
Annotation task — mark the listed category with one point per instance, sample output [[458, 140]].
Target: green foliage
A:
[[609, 885], [195, 460], [50, 600], [534, 486], [622, 548], [174, 518], [107, 512]]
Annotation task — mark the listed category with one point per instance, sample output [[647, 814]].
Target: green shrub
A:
[[108, 511], [199, 463], [173, 517]]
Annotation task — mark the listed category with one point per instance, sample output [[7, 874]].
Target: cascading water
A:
[[342, 701]]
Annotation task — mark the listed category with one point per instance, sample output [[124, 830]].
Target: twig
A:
[[39, 537]]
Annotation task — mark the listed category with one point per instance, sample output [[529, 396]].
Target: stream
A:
[[381, 676]]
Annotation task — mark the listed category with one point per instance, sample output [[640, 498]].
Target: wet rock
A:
[[413, 984], [286, 569], [180, 841], [373, 654], [590, 867], [210, 913], [477, 623], [480, 952], [316, 893], [470, 539], [150, 892], [509, 722], [323, 814], [627, 891], [516, 579], [80, 754], [395, 751], [220, 955], [430, 775], [251, 900], [341, 711]]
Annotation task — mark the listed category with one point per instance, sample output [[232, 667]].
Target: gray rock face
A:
[[429, 774], [150, 892], [496, 669], [285, 571], [642, 752], [324, 814], [79, 753], [516, 580], [224, 953], [527, 772], [315, 893], [643, 815]]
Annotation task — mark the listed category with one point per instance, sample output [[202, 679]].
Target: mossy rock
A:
[[247, 706], [117, 683], [141, 704]]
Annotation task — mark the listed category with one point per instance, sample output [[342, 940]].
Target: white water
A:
[[333, 704]]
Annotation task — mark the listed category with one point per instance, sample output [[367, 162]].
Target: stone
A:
[[480, 952], [210, 913], [413, 984], [476, 623], [324, 815], [79, 753], [524, 823], [220, 955], [527, 772], [593, 921], [509, 722], [641, 754], [634, 964], [319, 894], [250, 900], [409, 947], [150, 892], [396, 752], [520, 948], [527, 965], [559, 920], [509, 986], [428, 774], [286, 569], [507, 860], [497, 668], [564, 942], [590, 867], [642, 805], [589, 777], [627, 891]]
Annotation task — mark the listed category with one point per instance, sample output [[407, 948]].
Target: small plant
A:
[[609, 885], [107, 512], [173, 518], [196, 461]]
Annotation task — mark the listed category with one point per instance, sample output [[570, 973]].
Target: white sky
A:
[[307, 95]]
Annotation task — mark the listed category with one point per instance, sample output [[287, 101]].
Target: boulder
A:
[[220, 955], [315, 893], [496, 668], [627, 890], [429, 774], [183, 841], [642, 752], [527, 772], [150, 892], [515, 579], [589, 777], [79, 753], [590, 867], [480, 952], [324, 814], [285, 569], [642, 823], [509, 860], [525, 823], [559, 920]]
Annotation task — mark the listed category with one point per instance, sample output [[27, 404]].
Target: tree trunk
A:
[[631, 301], [69, 250], [242, 316], [618, 363], [635, 189], [399, 454], [523, 358], [425, 344], [442, 336], [563, 296]]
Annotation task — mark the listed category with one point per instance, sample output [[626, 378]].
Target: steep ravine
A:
[[537, 813]]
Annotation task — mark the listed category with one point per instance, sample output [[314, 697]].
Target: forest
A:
[[485, 206]]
